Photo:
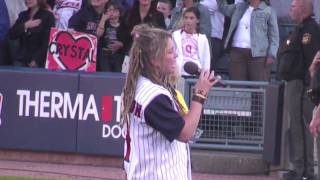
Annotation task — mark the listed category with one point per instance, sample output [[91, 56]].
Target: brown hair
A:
[[150, 44], [43, 4], [166, 2], [196, 12]]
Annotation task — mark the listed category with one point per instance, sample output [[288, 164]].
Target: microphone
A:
[[193, 69]]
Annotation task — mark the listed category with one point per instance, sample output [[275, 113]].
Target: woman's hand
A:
[[100, 28], [315, 123], [32, 23], [115, 45], [33, 64], [269, 61], [206, 81], [313, 65]]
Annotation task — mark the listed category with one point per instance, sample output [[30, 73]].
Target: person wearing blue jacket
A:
[[253, 39]]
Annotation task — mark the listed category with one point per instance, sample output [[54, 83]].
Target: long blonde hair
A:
[[149, 44]]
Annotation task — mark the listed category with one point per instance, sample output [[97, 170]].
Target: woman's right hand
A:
[[32, 23], [206, 81]]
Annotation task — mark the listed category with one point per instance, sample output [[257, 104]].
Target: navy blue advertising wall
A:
[[25, 124], [60, 111], [103, 123]]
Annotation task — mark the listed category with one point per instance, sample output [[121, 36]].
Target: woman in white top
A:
[[253, 38], [191, 45]]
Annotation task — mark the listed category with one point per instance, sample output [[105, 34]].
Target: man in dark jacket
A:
[[295, 56]]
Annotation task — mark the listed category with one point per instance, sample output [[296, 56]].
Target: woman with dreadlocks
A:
[[157, 127]]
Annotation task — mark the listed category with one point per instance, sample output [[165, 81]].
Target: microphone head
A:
[[191, 68]]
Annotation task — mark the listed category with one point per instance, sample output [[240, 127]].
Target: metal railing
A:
[[233, 117]]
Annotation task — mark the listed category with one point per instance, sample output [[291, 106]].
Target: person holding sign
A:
[[88, 20], [32, 29]]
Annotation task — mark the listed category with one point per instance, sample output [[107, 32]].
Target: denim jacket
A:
[[264, 32]]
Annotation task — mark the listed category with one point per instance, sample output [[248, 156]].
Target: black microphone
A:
[[193, 69]]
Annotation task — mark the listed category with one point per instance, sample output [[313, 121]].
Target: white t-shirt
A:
[[64, 9], [216, 17], [241, 37], [190, 47]]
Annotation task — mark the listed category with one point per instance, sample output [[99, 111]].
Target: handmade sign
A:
[[71, 51]]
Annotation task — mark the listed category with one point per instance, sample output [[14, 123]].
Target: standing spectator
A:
[[217, 30], [253, 37], [295, 56], [142, 11], [32, 28], [177, 17], [14, 8], [87, 20], [191, 45], [158, 130], [63, 10], [165, 6], [113, 39]]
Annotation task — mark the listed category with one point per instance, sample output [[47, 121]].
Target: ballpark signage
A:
[[71, 51], [61, 112], [59, 105]]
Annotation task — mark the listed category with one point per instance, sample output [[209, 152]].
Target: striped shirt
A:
[[149, 153]]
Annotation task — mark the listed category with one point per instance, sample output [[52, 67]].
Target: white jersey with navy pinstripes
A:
[[150, 155]]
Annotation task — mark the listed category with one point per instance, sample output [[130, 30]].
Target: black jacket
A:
[[33, 41], [298, 50], [86, 20], [132, 18]]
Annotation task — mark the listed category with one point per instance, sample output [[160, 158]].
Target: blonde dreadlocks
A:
[[149, 44]]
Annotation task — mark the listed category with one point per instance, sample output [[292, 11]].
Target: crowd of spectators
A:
[[26, 26]]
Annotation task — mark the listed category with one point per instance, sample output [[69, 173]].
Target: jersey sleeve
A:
[[161, 115]]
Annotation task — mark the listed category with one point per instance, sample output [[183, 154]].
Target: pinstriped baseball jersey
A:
[[148, 154]]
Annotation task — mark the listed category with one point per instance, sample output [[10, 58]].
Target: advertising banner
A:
[[61, 111], [71, 51], [99, 131], [37, 110]]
